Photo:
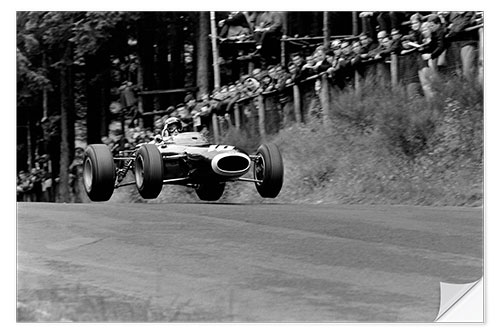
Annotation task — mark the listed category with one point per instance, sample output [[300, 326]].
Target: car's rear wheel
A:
[[149, 171], [268, 169], [98, 172], [210, 191]]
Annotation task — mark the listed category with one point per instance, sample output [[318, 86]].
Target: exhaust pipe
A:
[[233, 164]]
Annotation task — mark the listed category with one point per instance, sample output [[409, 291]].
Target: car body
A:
[[187, 159]]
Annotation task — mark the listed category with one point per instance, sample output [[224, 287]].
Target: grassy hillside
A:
[[384, 148]]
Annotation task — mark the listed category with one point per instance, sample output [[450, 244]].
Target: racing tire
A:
[[210, 191], [268, 168], [98, 172], [148, 171]]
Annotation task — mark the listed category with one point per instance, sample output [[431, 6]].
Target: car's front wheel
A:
[[98, 172], [149, 171], [268, 169]]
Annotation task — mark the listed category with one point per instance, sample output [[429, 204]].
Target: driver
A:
[[173, 126]]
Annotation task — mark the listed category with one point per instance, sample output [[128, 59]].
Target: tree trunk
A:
[[146, 56], [355, 23], [29, 145], [66, 124], [97, 80], [326, 30], [202, 79], [177, 54], [215, 51], [45, 89]]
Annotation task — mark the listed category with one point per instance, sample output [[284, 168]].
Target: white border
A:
[[492, 167]]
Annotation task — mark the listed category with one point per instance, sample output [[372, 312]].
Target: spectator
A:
[[286, 102], [47, 192], [436, 44], [389, 21], [368, 24], [185, 116], [387, 44], [384, 22], [257, 73], [411, 62], [267, 35], [309, 68], [235, 26], [43, 168], [266, 84], [128, 101], [36, 181], [172, 112], [322, 64], [396, 42], [297, 74], [463, 43], [415, 34], [24, 186], [381, 71], [194, 109], [191, 105], [346, 50], [358, 51], [344, 70], [293, 70], [367, 42], [75, 176], [298, 60], [426, 70], [251, 86], [359, 54], [383, 48]]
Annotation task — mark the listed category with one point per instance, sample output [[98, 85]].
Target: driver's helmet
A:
[[173, 126]]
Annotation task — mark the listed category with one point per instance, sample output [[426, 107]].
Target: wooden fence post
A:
[[262, 120], [394, 70], [296, 103], [325, 99], [215, 126], [251, 66], [283, 52], [357, 82], [237, 119], [480, 68]]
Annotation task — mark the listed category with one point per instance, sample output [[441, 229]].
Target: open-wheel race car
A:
[[186, 159]]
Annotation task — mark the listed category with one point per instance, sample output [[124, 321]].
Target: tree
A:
[[203, 54], [51, 45]]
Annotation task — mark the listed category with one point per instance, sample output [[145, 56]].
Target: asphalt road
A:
[[241, 263]]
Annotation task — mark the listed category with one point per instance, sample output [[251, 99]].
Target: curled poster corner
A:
[[461, 302]]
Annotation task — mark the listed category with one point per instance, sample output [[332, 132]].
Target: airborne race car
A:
[[186, 159]]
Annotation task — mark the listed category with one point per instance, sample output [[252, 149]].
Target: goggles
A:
[[173, 127]]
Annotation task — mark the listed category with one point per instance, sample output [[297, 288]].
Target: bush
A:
[[386, 148]]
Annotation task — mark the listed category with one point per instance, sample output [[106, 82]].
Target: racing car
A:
[[187, 159]]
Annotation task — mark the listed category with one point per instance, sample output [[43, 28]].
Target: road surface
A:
[[197, 262]]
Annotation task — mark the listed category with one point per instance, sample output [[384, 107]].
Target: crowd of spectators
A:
[[39, 185], [430, 44], [36, 184]]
